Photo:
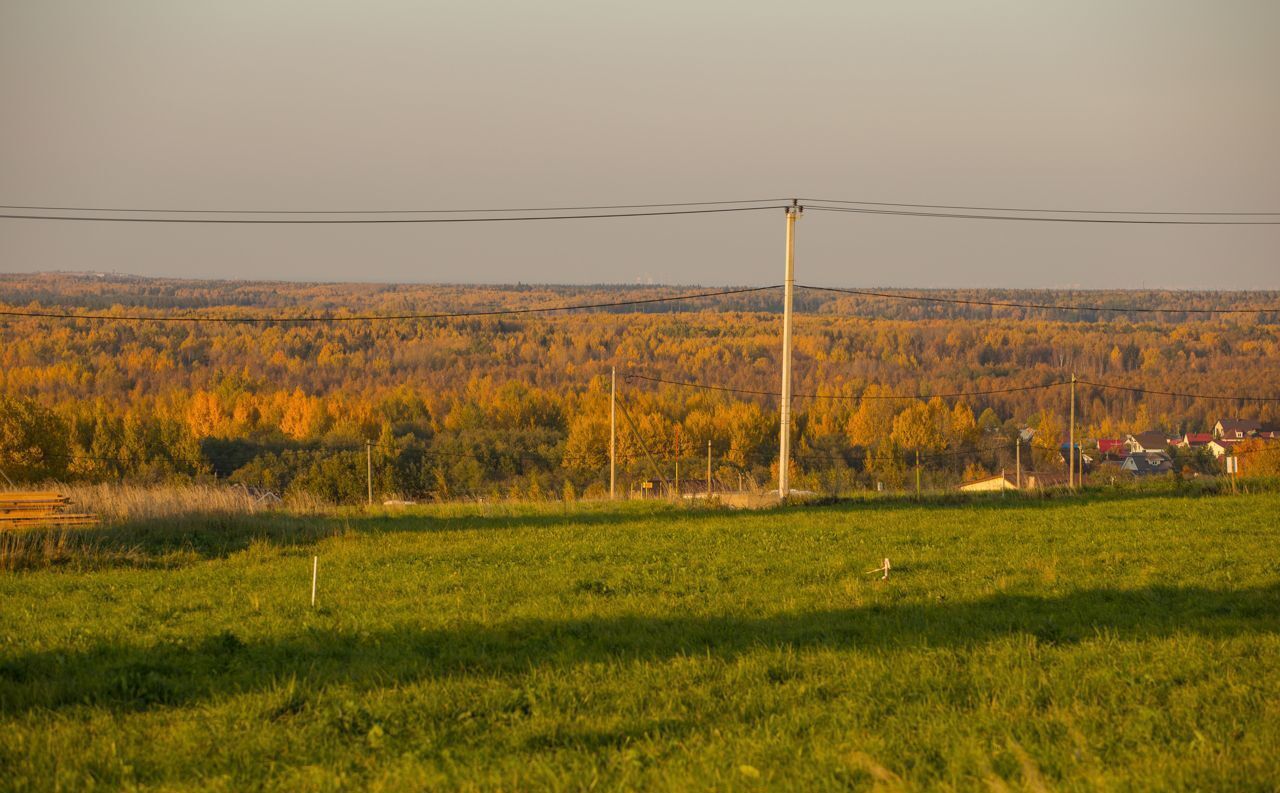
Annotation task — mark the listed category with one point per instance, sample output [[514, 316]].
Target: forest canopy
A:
[[519, 405]]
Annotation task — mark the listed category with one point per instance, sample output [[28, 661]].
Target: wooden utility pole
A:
[[613, 431], [784, 445], [1071, 438], [368, 459], [1018, 455], [708, 470], [917, 473], [677, 487]]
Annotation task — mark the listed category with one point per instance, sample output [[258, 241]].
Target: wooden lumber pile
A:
[[40, 509]]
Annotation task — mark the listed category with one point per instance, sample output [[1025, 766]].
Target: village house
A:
[[1221, 446], [1112, 449], [1149, 441], [1236, 429], [1195, 440], [1031, 480], [1147, 463], [1083, 462]]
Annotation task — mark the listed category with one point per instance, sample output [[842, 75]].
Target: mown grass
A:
[[1126, 642]]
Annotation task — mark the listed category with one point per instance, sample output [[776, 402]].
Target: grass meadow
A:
[[1122, 642]]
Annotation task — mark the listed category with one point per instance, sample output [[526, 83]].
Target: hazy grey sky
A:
[[1118, 104]]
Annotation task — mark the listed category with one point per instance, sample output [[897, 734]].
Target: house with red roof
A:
[[1112, 448], [1195, 440]]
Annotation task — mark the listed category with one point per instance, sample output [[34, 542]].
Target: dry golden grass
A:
[[133, 516], [120, 502], [39, 548]]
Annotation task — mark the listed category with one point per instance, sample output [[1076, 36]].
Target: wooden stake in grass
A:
[[315, 568], [884, 568]]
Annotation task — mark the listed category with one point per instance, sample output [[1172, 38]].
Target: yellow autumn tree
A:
[[204, 415]]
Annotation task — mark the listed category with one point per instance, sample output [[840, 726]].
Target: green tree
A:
[[33, 441]]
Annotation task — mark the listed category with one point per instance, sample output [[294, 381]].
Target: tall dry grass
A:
[[114, 502], [129, 534], [75, 548]]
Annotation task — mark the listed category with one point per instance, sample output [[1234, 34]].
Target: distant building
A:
[[1147, 463], [990, 483], [1196, 440], [1236, 429], [1031, 480], [1149, 441], [1082, 460], [1034, 480], [1112, 448], [1221, 446]]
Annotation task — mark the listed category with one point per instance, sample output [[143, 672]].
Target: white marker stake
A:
[[315, 568], [883, 568]]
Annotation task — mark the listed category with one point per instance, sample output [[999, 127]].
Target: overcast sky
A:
[[1114, 104]]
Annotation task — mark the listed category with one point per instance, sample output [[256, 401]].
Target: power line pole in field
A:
[[708, 470], [1018, 457], [1071, 438], [677, 486], [784, 450], [613, 431], [368, 459]]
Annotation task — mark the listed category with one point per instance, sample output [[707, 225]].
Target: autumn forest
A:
[[518, 405]]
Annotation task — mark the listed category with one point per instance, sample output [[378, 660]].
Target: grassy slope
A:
[[1131, 642]]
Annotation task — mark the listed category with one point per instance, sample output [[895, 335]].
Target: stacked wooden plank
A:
[[40, 509]]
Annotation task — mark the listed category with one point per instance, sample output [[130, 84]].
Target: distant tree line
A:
[[503, 406]]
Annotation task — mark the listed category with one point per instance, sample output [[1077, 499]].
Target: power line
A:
[[474, 211], [1042, 210], [665, 204], [953, 395], [387, 317], [1040, 219], [1240, 397], [1049, 306], [350, 220], [854, 397]]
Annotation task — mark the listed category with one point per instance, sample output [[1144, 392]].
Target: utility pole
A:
[[1018, 455], [613, 430], [708, 470], [917, 474], [368, 459], [784, 450], [1071, 438], [677, 487]]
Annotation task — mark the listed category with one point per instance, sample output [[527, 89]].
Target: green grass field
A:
[[1075, 644]]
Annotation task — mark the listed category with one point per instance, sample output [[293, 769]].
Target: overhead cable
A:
[[1236, 213], [953, 395], [1049, 306], [384, 317], [474, 211], [356, 220], [1039, 218], [1240, 397], [853, 397]]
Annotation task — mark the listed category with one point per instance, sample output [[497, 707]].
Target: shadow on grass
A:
[[132, 677]]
